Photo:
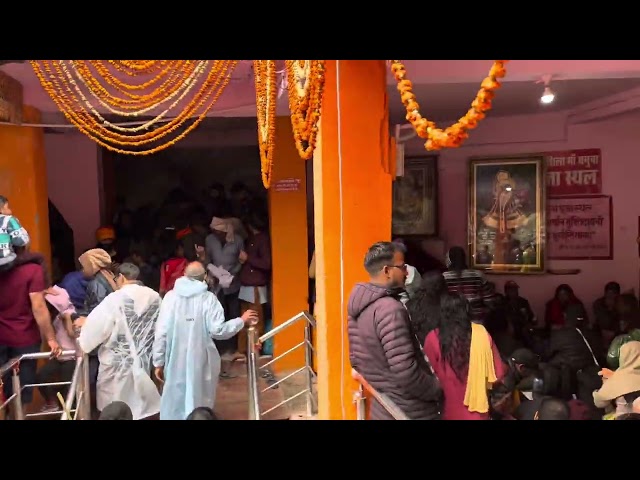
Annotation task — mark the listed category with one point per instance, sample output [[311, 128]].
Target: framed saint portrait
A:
[[507, 214], [415, 198]]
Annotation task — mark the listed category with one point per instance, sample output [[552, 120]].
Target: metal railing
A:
[[253, 368], [360, 400], [78, 387]]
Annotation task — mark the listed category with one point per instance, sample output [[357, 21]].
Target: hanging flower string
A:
[[266, 99], [453, 136]]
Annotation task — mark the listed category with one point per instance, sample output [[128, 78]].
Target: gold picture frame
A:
[[507, 214]]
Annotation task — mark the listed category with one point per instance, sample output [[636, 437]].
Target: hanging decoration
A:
[[266, 81], [180, 90], [454, 135], [305, 80]]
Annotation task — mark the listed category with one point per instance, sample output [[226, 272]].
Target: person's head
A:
[[202, 413], [127, 273], [553, 409], [239, 192], [116, 411], [4, 206], [456, 259], [221, 228], [611, 293], [216, 191], [94, 260], [195, 271], [177, 248], [384, 262], [58, 301], [511, 290], [137, 258], [628, 311], [455, 332], [198, 223], [525, 361], [126, 220], [564, 294], [434, 285], [256, 223], [629, 416]]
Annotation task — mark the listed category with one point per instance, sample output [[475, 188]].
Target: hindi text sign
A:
[[575, 172], [580, 228], [287, 185]]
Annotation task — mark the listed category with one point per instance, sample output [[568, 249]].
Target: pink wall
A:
[[616, 137], [72, 180]]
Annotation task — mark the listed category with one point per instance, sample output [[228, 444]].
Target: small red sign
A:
[[574, 172]]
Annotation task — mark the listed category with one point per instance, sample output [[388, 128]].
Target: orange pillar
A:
[[289, 256], [23, 178], [352, 197]]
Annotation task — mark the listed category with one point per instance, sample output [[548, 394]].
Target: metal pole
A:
[[18, 412], [252, 374], [85, 402], [359, 398], [308, 360]]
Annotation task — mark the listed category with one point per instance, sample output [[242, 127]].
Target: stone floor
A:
[[232, 397]]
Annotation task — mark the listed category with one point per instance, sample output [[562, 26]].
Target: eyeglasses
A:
[[401, 267]]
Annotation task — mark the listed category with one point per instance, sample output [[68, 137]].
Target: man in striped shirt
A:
[[471, 284]]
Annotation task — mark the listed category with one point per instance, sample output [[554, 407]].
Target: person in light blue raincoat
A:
[[185, 356]]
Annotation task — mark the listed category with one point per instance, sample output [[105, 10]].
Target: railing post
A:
[[308, 359], [252, 374], [359, 399], [17, 410], [85, 407]]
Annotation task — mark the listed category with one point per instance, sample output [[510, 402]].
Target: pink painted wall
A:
[[620, 144], [72, 180]]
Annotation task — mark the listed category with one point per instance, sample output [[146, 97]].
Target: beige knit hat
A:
[[94, 260]]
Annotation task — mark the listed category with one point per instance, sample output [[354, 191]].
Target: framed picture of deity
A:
[[415, 198], [507, 214]]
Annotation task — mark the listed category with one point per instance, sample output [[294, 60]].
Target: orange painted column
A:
[[23, 178], [352, 197], [289, 256]]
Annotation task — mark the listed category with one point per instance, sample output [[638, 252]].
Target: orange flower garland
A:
[[305, 79], [52, 76], [266, 99], [454, 135]]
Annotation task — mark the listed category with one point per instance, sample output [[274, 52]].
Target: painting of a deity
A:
[[506, 214], [415, 198]]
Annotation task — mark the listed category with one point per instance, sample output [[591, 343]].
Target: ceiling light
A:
[[547, 96]]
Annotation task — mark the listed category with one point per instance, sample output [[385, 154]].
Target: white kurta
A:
[[190, 319], [126, 318]]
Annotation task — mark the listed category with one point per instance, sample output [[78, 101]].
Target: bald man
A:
[[185, 356]]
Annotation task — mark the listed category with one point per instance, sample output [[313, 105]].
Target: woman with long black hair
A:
[[424, 305], [465, 360]]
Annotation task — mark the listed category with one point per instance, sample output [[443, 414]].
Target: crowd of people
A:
[[155, 306], [446, 345]]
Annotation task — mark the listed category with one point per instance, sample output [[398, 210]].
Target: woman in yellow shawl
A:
[[465, 360]]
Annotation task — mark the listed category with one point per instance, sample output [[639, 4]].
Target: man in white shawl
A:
[[123, 325], [184, 353]]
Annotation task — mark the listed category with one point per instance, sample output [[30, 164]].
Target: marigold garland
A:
[[265, 75], [55, 78], [305, 81], [454, 135]]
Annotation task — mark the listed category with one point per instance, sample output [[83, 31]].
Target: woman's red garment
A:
[[554, 313], [171, 271], [454, 389]]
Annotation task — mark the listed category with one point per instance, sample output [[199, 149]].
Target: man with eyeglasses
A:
[[381, 343]]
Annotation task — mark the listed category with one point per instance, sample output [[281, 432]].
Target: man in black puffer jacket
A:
[[381, 344]]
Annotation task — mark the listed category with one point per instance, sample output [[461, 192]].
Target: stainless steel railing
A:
[[78, 387], [255, 413], [360, 400]]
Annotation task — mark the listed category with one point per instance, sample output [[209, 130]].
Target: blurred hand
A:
[[159, 372], [56, 350], [79, 322], [605, 373], [242, 256], [250, 317]]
